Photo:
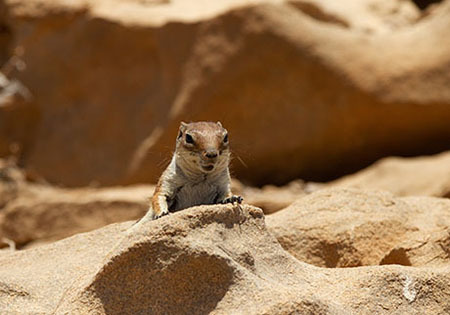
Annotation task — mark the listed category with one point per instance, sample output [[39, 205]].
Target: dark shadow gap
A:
[[423, 4]]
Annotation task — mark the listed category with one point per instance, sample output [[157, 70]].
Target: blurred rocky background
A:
[[339, 121]]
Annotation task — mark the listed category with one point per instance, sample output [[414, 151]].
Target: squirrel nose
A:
[[210, 154]]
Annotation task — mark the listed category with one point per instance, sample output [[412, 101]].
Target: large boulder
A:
[[347, 227], [307, 89], [209, 259]]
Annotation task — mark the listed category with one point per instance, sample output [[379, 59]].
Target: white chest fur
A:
[[194, 194]]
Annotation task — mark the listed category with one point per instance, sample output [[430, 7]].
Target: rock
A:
[[347, 227], [270, 198], [41, 213], [418, 176], [11, 181], [19, 117], [367, 16], [427, 176], [429, 245], [313, 144], [208, 259], [136, 68]]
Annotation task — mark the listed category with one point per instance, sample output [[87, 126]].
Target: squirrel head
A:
[[202, 147]]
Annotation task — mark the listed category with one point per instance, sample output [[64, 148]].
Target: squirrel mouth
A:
[[208, 167]]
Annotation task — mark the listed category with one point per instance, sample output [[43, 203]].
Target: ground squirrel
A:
[[198, 173]]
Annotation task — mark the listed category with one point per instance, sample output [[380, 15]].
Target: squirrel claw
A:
[[233, 199], [159, 215]]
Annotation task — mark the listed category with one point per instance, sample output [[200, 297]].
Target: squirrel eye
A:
[[189, 139], [225, 139]]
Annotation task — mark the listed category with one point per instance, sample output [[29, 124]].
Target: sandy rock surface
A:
[[412, 176], [49, 213], [346, 227], [116, 78], [34, 213], [218, 259], [91, 96], [271, 198], [425, 176]]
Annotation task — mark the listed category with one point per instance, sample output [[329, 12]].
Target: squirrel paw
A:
[[159, 215], [233, 199]]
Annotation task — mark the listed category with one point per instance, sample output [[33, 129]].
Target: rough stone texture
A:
[[217, 259], [347, 227], [427, 176], [116, 77]]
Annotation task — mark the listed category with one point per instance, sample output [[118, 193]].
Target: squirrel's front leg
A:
[[159, 205], [158, 208]]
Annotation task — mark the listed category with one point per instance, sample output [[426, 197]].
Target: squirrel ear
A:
[[183, 126], [219, 123]]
